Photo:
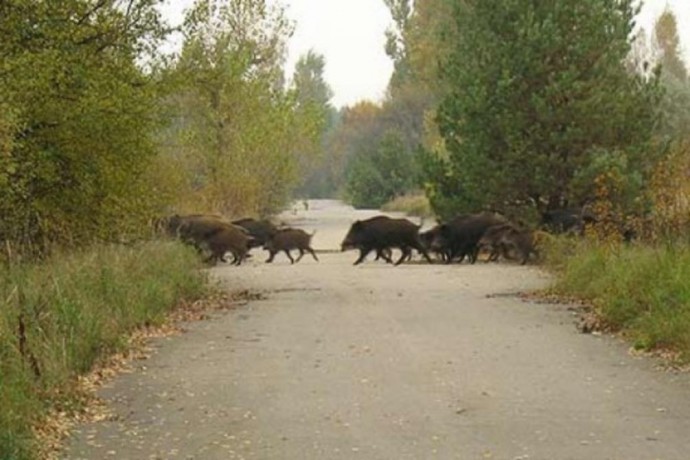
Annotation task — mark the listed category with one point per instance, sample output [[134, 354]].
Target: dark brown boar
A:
[[571, 221], [287, 239], [194, 229], [492, 241], [228, 238], [509, 241], [520, 242], [382, 233], [260, 230], [210, 233], [427, 238], [459, 238]]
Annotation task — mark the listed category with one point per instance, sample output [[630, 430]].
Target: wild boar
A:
[[459, 238], [382, 233], [287, 239], [509, 241], [229, 238], [260, 230]]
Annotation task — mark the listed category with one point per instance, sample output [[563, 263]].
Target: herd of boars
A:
[[453, 241], [217, 236], [458, 239]]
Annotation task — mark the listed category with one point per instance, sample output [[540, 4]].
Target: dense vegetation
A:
[[641, 291], [540, 97], [60, 317], [522, 107], [101, 133]]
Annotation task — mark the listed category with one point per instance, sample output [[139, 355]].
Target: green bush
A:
[[642, 291], [59, 317], [377, 175]]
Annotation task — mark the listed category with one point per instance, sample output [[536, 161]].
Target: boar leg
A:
[[270, 257], [301, 254], [422, 250], [405, 254], [313, 254], [287, 253], [385, 254], [493, 255], [363, 253]]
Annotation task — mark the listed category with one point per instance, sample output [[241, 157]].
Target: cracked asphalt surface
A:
[[380, 362]]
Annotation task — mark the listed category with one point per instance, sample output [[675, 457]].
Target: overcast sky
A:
[[350, 34]]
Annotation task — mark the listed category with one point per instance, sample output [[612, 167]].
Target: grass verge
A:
[[58, 318], [640, 291]]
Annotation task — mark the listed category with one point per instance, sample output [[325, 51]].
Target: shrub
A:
[[641, 291]]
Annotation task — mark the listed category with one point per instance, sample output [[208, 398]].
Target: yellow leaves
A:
[[669, 191]]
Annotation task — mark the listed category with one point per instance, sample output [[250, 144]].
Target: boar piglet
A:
[[287, 239]]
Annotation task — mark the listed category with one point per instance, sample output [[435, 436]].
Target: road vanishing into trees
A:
[[379, 362]]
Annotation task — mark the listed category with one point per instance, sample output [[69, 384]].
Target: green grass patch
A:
[[639, 290], [60, 316], [414, 205]]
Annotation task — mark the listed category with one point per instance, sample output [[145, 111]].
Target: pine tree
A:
[[538, 89]]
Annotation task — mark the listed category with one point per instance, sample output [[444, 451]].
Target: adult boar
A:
[[208, 232], [195, 229], [427, 238], [382, 233], [228, 238], [509, 241], [520, 243], [492, 241], [566, 220], [260, 230], [459, 238], [287, 239]]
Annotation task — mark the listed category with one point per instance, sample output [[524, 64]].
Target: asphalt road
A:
[[378, 362]]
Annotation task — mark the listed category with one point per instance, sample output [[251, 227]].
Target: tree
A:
[[666, 34], [423, 37], [674, 76], [313, 97], [237, 132], [78, 92], [309, 82], [401, 11], [376, 175], [427, 37], [355, 129], [537, 89]]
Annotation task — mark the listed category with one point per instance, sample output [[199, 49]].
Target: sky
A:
[[350, 34]]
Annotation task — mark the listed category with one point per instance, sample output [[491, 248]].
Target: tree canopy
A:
[[78, 111], [537, 92], [99, 132], [238, 132]]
